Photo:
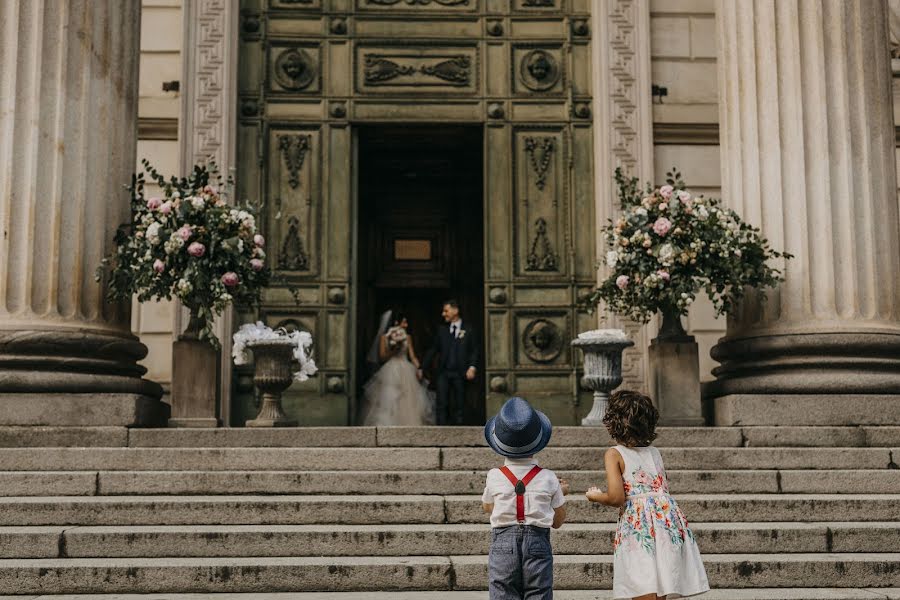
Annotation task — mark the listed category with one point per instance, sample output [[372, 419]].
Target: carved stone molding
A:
[[539, 70], [497, 295], [455, 70], [419, 2], [542, 341], [541, 257], [335, 384], [538, 3], [498, 384], [380, 69], [495, 110], [540, 153], [293, 150], [295, 69], [494, 27], [337, 295]]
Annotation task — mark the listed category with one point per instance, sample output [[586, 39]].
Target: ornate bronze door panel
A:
[[314, 72]]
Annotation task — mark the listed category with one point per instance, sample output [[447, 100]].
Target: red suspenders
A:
[[520, 488]]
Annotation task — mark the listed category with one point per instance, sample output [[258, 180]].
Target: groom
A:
[[457, 346]]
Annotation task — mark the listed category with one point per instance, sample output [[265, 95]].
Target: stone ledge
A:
[[807, 409], [77, 410]]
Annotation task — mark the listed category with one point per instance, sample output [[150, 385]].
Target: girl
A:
[[655, 555]]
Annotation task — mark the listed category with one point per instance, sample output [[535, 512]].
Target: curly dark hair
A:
[[631, 418]]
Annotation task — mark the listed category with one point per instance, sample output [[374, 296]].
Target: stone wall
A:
[[158, 112]]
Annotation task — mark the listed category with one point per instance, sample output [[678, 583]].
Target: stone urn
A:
[[274, 372], [602, 349]]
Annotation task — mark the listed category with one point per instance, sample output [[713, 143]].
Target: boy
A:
[[524, 501]]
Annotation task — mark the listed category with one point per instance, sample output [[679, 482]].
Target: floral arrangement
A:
[[253, 332], [188, 243], [668, 245], [395, 337]]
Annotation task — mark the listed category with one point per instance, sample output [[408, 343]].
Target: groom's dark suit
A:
[[456, 355]]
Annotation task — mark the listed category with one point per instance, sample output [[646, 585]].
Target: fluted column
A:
[[807, 137], [68, 113]]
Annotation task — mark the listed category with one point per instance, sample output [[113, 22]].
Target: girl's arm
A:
[[411, 351], [615, 495]]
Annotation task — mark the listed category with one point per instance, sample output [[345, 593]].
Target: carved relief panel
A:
[[540, 201], [294, 194], [295, 69], [419, 69]]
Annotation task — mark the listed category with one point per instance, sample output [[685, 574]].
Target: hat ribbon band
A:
[[516, 449]]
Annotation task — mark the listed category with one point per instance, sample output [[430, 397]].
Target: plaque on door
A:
[[412, 250]]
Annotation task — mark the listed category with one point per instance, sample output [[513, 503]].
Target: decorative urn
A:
[[602, 349], [274, 373]]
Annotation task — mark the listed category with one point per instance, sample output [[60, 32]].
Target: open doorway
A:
[[420, 235]]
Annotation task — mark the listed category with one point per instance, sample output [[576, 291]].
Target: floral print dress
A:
[[655, 551]]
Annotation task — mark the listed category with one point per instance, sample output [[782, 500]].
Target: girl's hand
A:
[[594, 494], [564, 486]]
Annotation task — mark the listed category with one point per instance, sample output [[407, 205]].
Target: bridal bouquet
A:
[[668, 245], [188, 243], [395, 337], [254, 332]]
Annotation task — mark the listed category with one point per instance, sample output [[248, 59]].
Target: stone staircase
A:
[[394, 513]]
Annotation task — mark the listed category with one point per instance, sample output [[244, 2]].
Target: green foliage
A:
[[190, 244], [667, 246]]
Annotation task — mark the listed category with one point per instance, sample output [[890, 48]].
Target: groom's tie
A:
[[453, 331]]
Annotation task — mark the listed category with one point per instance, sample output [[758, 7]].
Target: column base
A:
[[806, 409], [78, 410]]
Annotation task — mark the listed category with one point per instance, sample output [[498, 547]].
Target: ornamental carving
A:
[[539, 3], [540, 152], [456, 70], [542, 341], [539, 70], [294, 69], [419, 2], [293, 256], [293, 149], [541, 257], [379, 69]]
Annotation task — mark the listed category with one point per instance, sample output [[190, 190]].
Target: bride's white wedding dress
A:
[[395, 396]]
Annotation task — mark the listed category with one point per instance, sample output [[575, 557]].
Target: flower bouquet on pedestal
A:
[[280, 358], [188, 242], [665, 248]]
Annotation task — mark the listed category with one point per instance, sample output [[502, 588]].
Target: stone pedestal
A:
[[807, 138], [675, 381], [68, 113], [195, 380]]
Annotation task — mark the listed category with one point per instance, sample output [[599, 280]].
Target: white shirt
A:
[[458, 324], [543, 494]]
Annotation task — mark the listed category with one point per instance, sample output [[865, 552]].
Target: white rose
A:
[[702, 213], [612, 258], [153, 233], [666, 252], [641, 212], [198, 202]]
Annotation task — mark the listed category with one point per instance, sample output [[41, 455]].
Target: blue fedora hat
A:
[[517, 430]]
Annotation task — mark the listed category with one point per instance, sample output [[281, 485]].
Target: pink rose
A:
[[663, 274], [666, 191], [166, 207], [185, 232], [259, 240], [663, 206], [197, 249], [662, 226], [684, 196], [159, 266], [622, 282], [154, 203], [230, 279], [256, 264]]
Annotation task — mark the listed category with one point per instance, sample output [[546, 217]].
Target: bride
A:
[[394, 395]]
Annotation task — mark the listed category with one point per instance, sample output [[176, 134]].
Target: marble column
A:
[[807, 138], [68, 114]]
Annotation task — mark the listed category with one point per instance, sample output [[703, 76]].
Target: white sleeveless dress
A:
[[655, 551], [395, 396]]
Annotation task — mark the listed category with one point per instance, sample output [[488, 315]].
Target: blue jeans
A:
[[520, 565]]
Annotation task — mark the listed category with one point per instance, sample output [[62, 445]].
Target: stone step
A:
[[715, 594], [420, 459], [373, 510], [284, 574], [406, 540], [748, 481], [766, 436]]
